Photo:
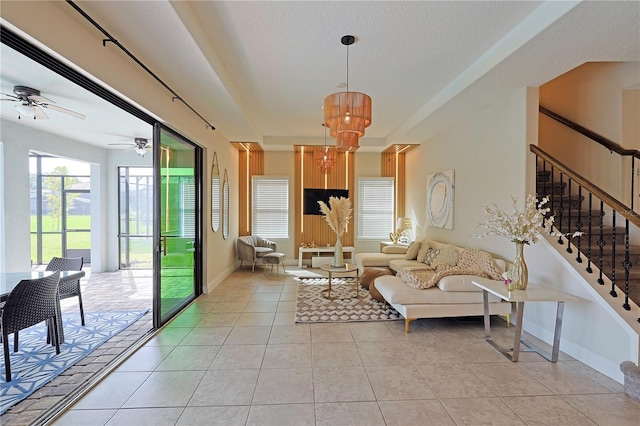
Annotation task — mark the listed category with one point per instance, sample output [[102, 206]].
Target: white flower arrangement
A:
[[338, 214], [521, 226]]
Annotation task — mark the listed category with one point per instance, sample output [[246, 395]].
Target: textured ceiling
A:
[[259, 71]]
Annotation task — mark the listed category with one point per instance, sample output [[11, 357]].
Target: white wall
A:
[[593, 96], [58, 28], [489, 152], [18, 141]]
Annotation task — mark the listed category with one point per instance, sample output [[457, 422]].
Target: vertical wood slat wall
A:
[[251, 163], [311, 228], [393, 165]]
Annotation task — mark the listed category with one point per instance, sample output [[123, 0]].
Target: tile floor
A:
[[134, 291], [235, 357]]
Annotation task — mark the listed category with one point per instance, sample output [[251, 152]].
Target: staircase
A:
[[603, 249]]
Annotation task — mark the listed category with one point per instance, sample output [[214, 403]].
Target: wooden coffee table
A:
[[348, 267]]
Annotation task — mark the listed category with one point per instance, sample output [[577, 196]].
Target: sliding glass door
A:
[[178, 228]]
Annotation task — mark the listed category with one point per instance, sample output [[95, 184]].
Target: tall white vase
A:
[[338, 257]]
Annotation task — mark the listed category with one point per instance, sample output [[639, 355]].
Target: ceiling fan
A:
[[139, 144], [31, 103]]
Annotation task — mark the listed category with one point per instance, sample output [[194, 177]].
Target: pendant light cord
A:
[[110, 38]]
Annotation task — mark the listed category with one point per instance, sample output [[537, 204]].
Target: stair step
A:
[[543, 175], [560, 203], [549, 188], [584, 213]]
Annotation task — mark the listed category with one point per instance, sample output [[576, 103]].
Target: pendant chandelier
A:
[[325, 157], [347, 114]]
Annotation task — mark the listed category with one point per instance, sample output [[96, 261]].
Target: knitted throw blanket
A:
[[472, 262]]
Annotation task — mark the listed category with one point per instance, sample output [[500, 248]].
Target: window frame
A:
[[361, 210], [283, 231]]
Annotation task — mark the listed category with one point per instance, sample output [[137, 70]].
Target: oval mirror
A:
[[225, 206], [215, 194]]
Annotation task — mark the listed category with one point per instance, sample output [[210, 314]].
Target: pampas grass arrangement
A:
[[337, 214]]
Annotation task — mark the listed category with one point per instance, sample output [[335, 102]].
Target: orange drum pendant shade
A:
[[347, 114]]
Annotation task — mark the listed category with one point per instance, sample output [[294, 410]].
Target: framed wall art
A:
[[440, 188]]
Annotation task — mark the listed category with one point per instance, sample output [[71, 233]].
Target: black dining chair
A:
[[30, 302], [69, 288]]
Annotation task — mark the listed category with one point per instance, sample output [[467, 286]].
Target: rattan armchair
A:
[[251, 248], [69, 288], [31, 302]]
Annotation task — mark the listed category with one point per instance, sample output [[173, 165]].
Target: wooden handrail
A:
[[616, 205], [607, 143]]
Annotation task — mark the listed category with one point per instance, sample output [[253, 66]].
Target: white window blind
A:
[[270, 206], [375, 208]]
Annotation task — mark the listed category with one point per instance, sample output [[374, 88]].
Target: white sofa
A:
[[449, 293]]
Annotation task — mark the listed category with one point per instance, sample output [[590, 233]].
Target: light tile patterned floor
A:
[[110, 291], [235, 357]]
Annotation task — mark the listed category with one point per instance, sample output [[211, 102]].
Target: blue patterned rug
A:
[[36, 363]]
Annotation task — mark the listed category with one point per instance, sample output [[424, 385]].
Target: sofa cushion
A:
[[397, 264], [375, 259], [371, 274], [412, 251], [394, 249], [395, 291], [448, 255], [458, 283]]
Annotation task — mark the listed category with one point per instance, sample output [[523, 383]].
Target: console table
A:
[[318, 250], [533, 293]]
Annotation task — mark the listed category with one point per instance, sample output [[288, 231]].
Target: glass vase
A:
[[519, 272], [338, 257]]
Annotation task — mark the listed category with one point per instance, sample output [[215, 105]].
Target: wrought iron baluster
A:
[[579, 226], [590, 233], [601, 244], [613, 255], [561, 209], [569, 218], [627, 266]]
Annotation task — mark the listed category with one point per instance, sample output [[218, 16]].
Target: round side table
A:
[[348, 267]]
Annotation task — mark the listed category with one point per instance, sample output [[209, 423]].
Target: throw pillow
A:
[[431, 255], [424, 246], [371, 274], [412, 251], [394, 249], [448, 255]]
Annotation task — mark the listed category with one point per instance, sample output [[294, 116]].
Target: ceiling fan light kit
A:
[[31, 104], [347, 114], [140, 145]]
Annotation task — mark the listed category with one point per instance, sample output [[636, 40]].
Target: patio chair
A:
[[30, 302], [69, 288]]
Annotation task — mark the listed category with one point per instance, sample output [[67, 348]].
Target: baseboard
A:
[[593, 360]]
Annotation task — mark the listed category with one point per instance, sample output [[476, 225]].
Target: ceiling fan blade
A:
[[64, 110], [39, 113], [15, 98], [120, 144], [41, 99], [12, 100]]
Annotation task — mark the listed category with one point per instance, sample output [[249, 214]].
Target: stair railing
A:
[[547, 166], [605, 142]]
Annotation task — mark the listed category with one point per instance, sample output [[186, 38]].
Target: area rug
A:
[[36, 363], [313, 307]]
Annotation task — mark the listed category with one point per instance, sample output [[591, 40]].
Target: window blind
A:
[[270, 206], [375, 208]]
